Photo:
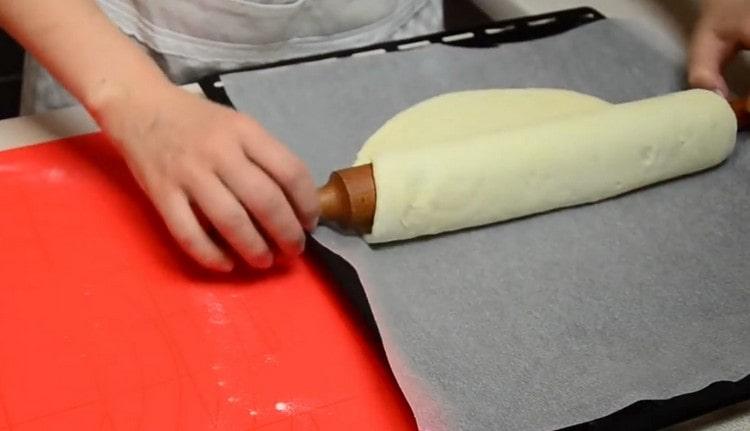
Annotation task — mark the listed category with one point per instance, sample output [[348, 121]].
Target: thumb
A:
[[708, 54]]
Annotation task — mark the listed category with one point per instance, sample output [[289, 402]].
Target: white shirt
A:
[[192, 38]]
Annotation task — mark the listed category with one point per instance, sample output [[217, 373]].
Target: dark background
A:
[[11, 63]]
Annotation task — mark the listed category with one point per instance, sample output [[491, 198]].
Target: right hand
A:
[[187, 152], [722, 30]]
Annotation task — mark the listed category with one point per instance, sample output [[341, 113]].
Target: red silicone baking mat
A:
[[105, 325]]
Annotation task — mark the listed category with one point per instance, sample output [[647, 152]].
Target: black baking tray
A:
[[642, 415], [486, 35]]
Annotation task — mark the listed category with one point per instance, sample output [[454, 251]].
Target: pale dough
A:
[[457, 116], [454, 162]]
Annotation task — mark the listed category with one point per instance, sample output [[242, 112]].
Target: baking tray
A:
[[645, 414], [486, 35]]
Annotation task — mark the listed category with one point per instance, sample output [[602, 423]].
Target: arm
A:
[[184, 151], [723, 29]]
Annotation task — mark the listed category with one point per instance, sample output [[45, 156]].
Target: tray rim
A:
[[490, 34]]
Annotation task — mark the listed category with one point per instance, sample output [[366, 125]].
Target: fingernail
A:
[[301, 245], [265, 261], [226, 266], [720, 92]]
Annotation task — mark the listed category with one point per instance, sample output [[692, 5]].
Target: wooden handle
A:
[[348, 199], [740, 108]]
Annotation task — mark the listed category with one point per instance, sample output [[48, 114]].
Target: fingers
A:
[[288, 171], [202, 155], [231, 219], [708, 54], [175, 209], [265, 200]]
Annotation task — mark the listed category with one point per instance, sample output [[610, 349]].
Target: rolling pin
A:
[[348, 199]]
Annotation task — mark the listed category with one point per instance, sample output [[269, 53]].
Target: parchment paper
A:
[[551, 320]]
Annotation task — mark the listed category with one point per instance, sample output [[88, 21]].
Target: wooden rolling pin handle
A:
[[740, 108], [348, 199]]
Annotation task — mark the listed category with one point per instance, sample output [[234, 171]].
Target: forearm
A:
[[78, 44]]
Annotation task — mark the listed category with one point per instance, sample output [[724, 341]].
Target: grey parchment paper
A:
[[550, 320]]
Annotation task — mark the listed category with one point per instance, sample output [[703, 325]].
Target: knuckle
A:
[[295, 174], [241, 122], [270, 206], [237, 124], [174, 154], [180, 167], [212, 143], [186, 172], [232, 220]]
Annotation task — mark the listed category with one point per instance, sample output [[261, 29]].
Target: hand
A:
[[723, 29], [186, 151]]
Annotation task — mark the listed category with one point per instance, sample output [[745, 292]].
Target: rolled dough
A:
[[460, 115], [470, 159]]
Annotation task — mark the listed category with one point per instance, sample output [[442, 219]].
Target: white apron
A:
[[192, 38]]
